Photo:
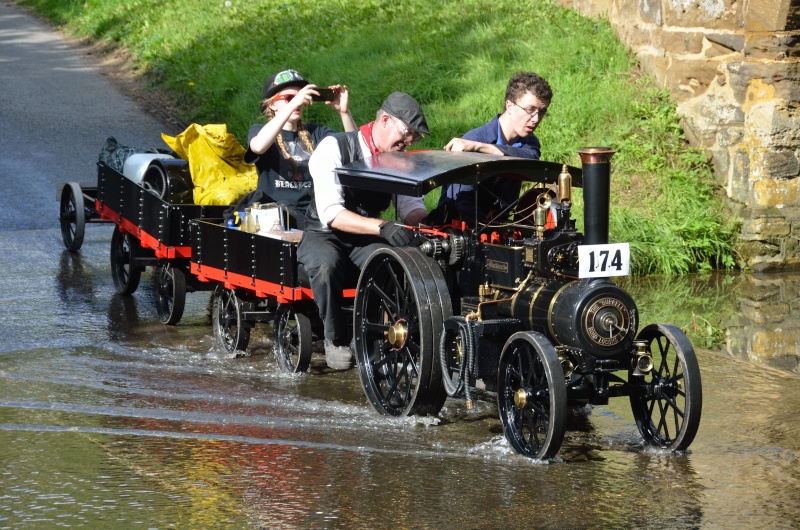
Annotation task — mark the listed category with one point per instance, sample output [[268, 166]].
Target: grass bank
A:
[[455, 57]]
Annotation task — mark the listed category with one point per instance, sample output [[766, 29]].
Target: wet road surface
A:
[[111, 419]]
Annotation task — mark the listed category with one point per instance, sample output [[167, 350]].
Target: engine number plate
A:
[[600, 261]]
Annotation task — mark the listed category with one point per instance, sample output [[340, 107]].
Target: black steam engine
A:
[[522, 306]]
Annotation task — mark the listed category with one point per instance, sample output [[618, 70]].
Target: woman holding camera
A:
[[280, 149]]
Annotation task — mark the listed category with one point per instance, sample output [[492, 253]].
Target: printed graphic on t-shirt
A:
[[299, 152], [293, 184]]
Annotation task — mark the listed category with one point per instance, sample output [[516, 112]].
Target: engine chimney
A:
[[596, 162]]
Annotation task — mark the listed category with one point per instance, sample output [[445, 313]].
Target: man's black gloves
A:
[[398, 234]]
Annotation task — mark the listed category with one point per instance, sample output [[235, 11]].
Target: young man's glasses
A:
[[284, 97], [533, 112]]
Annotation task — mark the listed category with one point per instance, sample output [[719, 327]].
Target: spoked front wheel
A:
[[124, 271], [72, 216], [170, 292], [455, 354], [667, 400], [231, 330], [401, 304], [292, 339], [531, 395]]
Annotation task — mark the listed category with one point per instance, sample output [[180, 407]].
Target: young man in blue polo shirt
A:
[[508, 134]]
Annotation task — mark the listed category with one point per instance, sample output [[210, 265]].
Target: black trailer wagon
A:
[[151, 214], [257, 279]]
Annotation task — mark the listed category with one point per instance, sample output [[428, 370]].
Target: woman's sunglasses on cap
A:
[[286, 76]]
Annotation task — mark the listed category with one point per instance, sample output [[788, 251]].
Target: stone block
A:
[[766, 227], [731, 135], [715, 51], [718, 14], [722, 112], [793, 17], [769, 343], [650, 12], [736, 342], [782, 164], [768, 15], [721, 160], [756, 253], [691, 76], [588, 7], [740, 184], [772, 47], [693, 133], [784, 79], [791, 248], [770, 265], [680, 42], [786, 126], [776, 192], [732, 41], [765, 313], [758, 290], [700, 133], [758, 131], [657, 66]]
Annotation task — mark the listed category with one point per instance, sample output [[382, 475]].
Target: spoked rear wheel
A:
[[72, 216], [124, 271], [667, 401], [400, 307], [170, 292], [531, 395], [231, 330], [292, 339]]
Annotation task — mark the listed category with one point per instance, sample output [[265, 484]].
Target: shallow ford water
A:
[[109, 419]]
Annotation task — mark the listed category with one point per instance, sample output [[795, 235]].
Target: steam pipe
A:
[[596, 162]]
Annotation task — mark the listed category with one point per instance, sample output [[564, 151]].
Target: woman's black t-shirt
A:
[[276, 175]]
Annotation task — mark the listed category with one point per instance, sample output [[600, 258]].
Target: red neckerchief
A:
[[366, 132]]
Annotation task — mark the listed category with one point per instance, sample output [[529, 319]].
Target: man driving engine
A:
[[343, 225]]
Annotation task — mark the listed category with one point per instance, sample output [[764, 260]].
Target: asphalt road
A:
[[56, 110]]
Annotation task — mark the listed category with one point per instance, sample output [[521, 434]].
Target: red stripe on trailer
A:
[[145, 239], [261, 288]]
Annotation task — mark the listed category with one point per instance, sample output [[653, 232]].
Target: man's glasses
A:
[[534, 112], [406, 132], [284, 97]]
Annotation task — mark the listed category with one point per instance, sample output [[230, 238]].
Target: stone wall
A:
[[766, 327], [734, 68]]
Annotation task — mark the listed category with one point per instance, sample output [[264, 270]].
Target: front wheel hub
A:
[[520, 398], [397, 334]]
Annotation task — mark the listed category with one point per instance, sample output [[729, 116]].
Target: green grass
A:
[[455, 57]]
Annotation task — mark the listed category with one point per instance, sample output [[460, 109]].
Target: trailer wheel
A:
[[231, 330], [667, 401], [170, 292], [292, 339], [399, 315], [531, 395], [72, 216], [124, 271]]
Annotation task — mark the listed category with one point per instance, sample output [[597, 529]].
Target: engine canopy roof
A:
[[418, 172]]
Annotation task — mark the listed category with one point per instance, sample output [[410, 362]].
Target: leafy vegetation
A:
[[455, 57]]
